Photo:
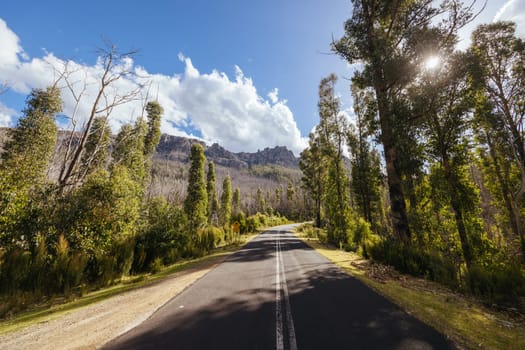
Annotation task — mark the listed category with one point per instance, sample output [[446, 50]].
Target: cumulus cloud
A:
[[222, 109], [513, 10], [6, 114]]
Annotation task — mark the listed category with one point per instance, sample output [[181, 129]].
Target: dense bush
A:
[[500, 284], [415, 261]]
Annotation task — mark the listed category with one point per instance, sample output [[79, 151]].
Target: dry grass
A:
[[465, 320]]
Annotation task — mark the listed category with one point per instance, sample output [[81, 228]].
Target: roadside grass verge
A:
[[56, 307], [463, 319]]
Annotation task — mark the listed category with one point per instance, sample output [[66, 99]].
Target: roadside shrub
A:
[[498, 284], [251, 224], [15, 266], [241, 219], [156, 265], [67, 269], [123, 251], [361, 230], [163, 235], [415, 261]]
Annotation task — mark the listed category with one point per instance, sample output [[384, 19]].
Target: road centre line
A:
[[281, 289]]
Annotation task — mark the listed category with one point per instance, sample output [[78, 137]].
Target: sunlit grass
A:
[[464, 320]]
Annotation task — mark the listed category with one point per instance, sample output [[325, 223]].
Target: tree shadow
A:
[[330, 310]]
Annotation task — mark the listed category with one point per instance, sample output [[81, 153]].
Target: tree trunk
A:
[[458, 214], [397, 198], [516, 222]]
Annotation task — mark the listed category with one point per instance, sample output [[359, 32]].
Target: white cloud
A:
[[6, 114], [11, 50], [513, 10], [227, 111], [274, 95]]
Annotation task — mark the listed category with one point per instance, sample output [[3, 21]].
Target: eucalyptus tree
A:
[[332, 131], [365, 163], [446, 101], [213, 201], [152, 135], [314, 175], [129, 150], [226, 202], [236, 201], [260, 203], [501, 57], [384, 36], [196, 201], [154, 113], [25, 158]]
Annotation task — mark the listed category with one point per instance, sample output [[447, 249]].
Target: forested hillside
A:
[[437, 180]]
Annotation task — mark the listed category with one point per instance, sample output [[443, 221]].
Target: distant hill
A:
[[178, 148]]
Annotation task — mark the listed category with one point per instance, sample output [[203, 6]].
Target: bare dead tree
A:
[[107, 98]]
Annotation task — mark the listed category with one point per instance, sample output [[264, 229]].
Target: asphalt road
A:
[[277, 293]]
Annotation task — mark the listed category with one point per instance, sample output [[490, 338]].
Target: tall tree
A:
[[196, 201], [152, 135], [213, 201], [226, 201], [260, 203], [447, 102], [383, 35], [501, 56], [154, 114], [366, 172], [129, 151], [236, 201], [26, 156], [332, 130], [314, 175]]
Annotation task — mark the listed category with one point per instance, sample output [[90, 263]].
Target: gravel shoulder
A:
[[92, 326]]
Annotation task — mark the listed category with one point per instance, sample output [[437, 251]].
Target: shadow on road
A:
[[330, 309]]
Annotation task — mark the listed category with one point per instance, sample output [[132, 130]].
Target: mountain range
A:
[[177, 148]]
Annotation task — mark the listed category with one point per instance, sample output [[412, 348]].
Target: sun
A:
[[432, 62]]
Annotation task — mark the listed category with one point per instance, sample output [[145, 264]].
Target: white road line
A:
[[278, 313], [281, 288], [289, 318]]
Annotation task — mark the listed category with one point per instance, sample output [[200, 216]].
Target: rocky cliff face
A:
[[178, 148]]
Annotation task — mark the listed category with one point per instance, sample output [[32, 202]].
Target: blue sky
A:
[[241, 73]]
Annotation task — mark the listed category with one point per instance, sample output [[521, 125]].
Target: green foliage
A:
[[129, 151], [151, 139], [415, 261], [498, 284], [25, 159], [105, 208], [213, 202], [96, 153], [259, 220], [236, 201], [163, 234], [196, 200], [314, 175], [226, 202], [366, 177]]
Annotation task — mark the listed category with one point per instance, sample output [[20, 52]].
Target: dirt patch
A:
[[92, 326]]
